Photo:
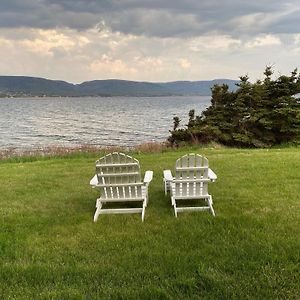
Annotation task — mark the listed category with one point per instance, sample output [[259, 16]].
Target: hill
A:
[[114, 87], [194, 88], [20, 86], [32, 86]]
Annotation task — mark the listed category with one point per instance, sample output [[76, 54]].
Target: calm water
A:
[[119, 121]]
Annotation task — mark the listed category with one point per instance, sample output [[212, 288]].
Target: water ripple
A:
[[116, 121]]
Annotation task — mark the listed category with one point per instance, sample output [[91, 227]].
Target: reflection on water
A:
[[115, 121]]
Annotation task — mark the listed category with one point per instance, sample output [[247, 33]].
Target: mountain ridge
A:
[[20, 86]]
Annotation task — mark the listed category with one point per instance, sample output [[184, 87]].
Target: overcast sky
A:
[[148, 40]]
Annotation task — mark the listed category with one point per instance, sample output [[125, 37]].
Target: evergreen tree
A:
[[259, 114]]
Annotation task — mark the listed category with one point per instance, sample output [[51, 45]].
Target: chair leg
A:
[[173, 201], [175, 209], [210, 202], [166, 188], [143, 211], [98, 209]]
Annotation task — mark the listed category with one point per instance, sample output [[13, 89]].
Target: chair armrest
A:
[[94, 181], [168, 175], [212, 175], [148, 177], [168, 178]]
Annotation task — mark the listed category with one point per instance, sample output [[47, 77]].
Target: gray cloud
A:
[[292, 25], [155, 18]]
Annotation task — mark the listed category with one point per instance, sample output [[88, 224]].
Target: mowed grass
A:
[[51, 249]]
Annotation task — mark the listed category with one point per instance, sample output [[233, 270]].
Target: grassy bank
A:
[[51, 249]]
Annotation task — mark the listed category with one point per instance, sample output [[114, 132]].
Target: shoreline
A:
[[52, 151], [101, 96]]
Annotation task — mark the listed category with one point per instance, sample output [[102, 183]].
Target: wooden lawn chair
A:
[[192, 176], [118, 177]]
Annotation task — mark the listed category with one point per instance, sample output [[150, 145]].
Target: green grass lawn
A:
[[51, 249]]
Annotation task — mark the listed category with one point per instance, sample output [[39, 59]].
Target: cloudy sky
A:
[[148, 40]]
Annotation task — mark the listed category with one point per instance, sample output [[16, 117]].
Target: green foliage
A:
[[260, 114]]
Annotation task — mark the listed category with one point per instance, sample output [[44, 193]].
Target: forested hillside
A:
[[20, 86]]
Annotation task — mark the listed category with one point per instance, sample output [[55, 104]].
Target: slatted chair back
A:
[[191, 176], [119, 177]]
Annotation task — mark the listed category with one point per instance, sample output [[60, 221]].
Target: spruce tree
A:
[[259, 114]]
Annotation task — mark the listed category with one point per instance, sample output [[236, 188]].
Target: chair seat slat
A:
[[188, 180], [190, 168], [120, 184], [118, 174], [117, 165]]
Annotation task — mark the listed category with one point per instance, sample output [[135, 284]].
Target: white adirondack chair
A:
[[119, 178], [192, 176]]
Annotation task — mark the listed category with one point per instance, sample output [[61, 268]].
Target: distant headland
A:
[[24, 86]]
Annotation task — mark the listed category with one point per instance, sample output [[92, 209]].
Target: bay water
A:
[[101, 121]]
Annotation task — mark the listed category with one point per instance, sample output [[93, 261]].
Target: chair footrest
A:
[[121, 211]]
